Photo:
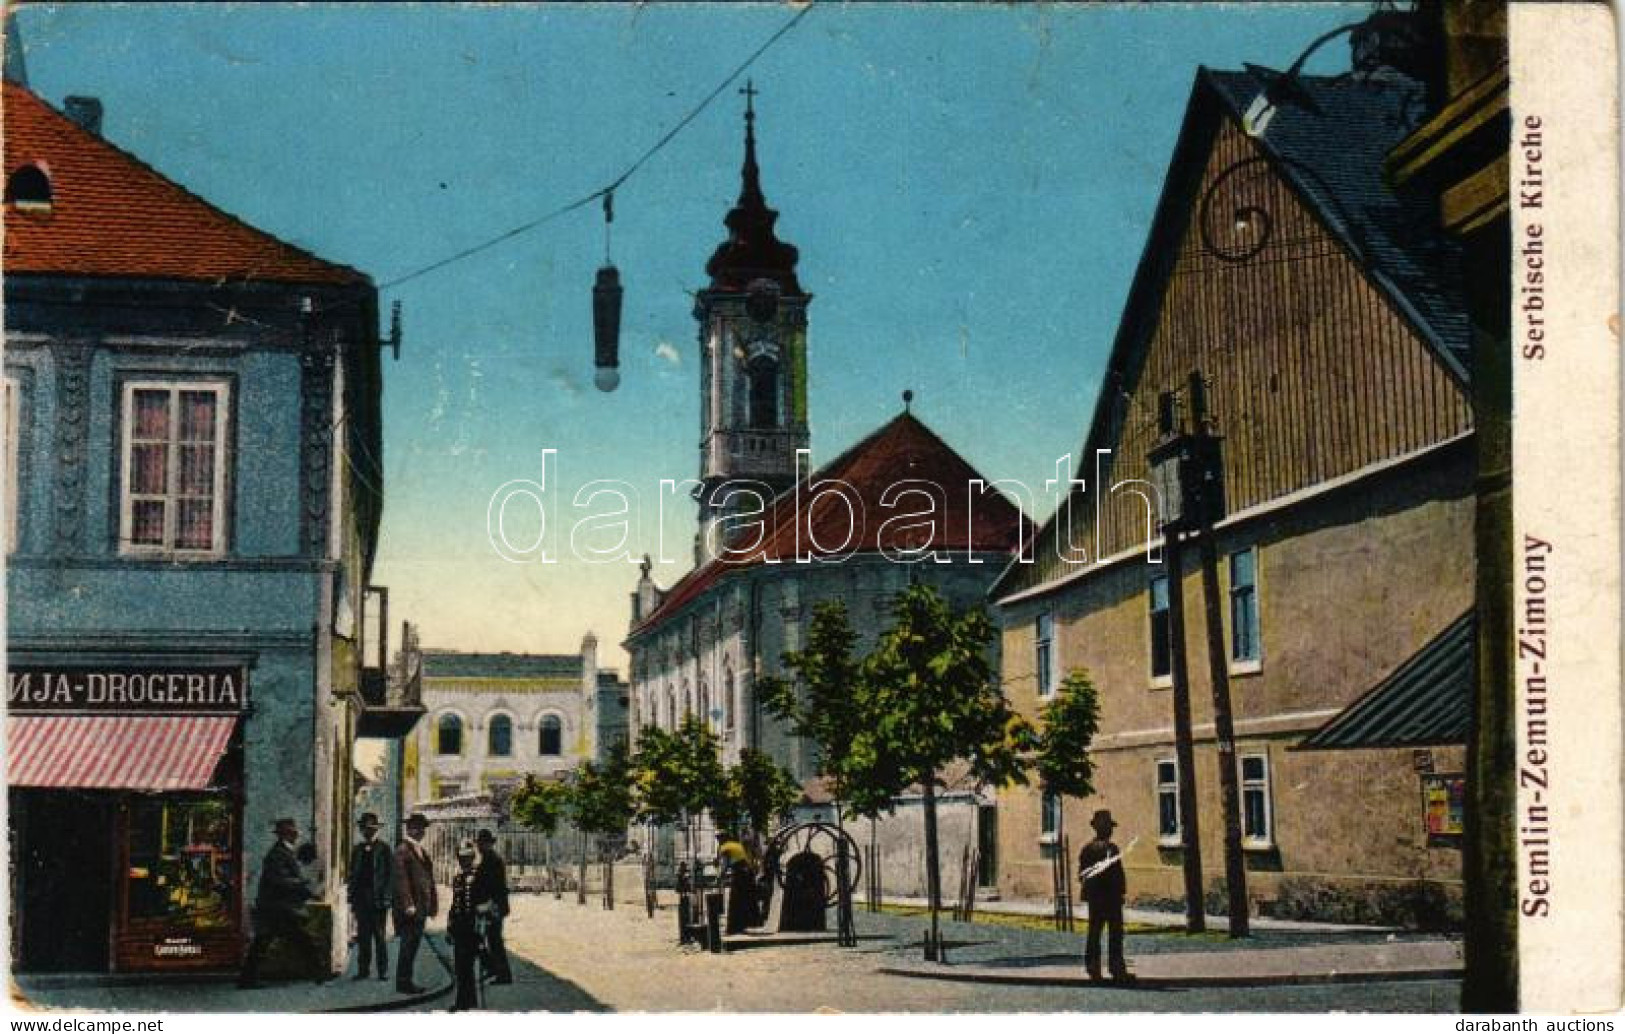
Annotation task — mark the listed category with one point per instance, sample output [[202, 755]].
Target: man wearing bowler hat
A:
[[1100, 866], [370, 888], [279, 909], [493, 887], [415, 900]]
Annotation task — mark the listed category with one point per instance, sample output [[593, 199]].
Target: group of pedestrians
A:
[[385, 886]]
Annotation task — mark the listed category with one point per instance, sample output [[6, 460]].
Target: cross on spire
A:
[[749, 92]]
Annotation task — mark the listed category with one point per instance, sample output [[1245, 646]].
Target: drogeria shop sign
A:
[[127, 690]]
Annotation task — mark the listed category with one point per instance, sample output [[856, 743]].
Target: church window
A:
[[728, 701], [705, 702], [762, 376], [550, 741]]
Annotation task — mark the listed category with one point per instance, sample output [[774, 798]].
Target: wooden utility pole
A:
[[1184, 750], [1208, 502]]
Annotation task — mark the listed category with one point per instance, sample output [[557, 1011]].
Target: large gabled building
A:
[[1324, 311]]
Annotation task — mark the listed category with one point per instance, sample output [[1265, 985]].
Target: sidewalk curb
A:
[[984, 975]]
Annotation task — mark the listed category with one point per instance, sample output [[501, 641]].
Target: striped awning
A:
[[115, 752]]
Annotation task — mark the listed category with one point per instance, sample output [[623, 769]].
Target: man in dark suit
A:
[[1100, 866], [492, 876], [279, 909], [416, 900], [370, 888]]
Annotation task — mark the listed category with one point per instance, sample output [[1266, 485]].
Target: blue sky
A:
[[970, 187]]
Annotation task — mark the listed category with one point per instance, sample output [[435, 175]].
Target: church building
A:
[[774, 541]]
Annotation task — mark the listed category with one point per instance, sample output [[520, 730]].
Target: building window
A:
[[1049, 817], [446, 790], [728, 716], [1244, 652], [763, 377], [499, 737], [174, 468], [705, 703], [1043, 653], [11, 425], [28, 188], [1257, 820], [1168, 831], [1162, 667], [550, 741], [449, 735]]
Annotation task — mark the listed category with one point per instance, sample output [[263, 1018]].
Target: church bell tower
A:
[[753, 348]]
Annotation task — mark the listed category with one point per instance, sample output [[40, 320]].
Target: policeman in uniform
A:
[[370, 889], [469, 904]]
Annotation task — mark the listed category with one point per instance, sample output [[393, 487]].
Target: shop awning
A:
[[1425, 702], [115, 752]]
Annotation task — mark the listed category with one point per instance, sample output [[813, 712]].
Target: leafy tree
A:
[[676, 774], [603, 799], [819, 704], [541, 804], [757, 792], [1067, 726], [927, 696]]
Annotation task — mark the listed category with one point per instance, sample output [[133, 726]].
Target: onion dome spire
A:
[[752, 250]]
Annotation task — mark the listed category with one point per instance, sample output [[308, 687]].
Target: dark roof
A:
[[1334, 158], [502, 665], [1425, 702], [904, 449], [752, 251], [112, 215]]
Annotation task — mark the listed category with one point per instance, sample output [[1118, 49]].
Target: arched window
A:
[[728, 699], [449, 735], [671, 708], [762, 376], [688, 699], [550, 741], [499, 737], [29, 187], [705, 702]]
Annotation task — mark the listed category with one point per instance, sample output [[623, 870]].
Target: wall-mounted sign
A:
[[1444, 799], [127, 690], [177, 948]]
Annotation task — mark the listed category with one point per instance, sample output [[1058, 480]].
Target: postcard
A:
[[806, 507]]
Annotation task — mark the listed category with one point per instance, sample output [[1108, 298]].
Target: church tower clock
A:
[[753, 369]]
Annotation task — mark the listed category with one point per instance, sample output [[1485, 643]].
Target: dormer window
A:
[[29, 189]]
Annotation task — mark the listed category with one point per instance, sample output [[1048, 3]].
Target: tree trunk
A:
[[933, 874], [581, 881]]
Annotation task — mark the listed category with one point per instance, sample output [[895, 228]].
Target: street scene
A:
[[1087, 588]]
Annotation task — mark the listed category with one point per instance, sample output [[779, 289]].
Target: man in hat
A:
[[469, 907], [493, 887], [415, 900], [1100, 866], [279, 909], [370, 887]]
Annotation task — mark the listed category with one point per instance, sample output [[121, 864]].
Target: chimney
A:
[[589, 692], [84, 112]]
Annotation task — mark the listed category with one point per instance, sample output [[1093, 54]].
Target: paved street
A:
[[570, 956]]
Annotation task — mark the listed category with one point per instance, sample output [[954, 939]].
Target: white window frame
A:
[[13, 403], [1158, 681], [174, 387], [1244, 665], [1048, 799], [1254, 843], [1044, 653], [442, 785], [1177, 838]]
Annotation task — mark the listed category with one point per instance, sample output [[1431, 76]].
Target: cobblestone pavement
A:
[[571, 957]]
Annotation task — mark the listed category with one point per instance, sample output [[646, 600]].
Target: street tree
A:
[[677, 774], [1067, 724], [603, 804], [925, 697], [820, 704], [758, 792]]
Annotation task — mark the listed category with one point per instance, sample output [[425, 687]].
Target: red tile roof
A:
[[112, 215], [904, 450]]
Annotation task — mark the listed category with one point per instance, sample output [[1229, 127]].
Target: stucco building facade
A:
[[1324, 316]]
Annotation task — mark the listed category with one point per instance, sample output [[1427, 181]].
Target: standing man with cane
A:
[[1100, 866], [493, 880], [415, 900]]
